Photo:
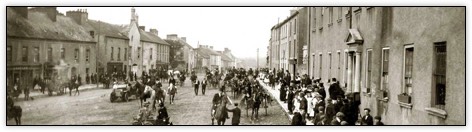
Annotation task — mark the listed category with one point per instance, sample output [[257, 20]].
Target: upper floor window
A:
[[77, 54], [139, 52], [368, 70], [87, 55], [9, 54], [150, 53], [408, 70], [111, 54], [439, 90], [126, 54], [384, 74], [24, 52], [63, 53], [340, 13], [36, 54], [50, 59], [119, 54], [330, 16]]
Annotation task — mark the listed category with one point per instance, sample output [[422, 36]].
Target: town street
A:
[[93, 107]]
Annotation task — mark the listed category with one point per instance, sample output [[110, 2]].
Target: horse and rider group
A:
[[244, 86]]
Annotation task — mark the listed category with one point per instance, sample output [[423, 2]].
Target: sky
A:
[[241, 29]]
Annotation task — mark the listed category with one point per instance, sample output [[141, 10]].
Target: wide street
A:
[[93, 107]]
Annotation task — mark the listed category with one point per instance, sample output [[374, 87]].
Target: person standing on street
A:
[[196, 84], [204, 84], [367, 118], [236, 115], [330, 111]]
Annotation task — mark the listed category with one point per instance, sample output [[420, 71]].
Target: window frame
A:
[[24, 54], [112, 56], [77, 54], [9, 53], [434, 94], [36, 57], [63, 53], [87, 55], [382, 70], [368, 70], [404, 87]]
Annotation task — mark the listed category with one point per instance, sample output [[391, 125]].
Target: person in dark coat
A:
[[338, 104], [196, 84], [367, 118], [236, 114], [378, 121], [297, 119], [319, 116], [303, 105], [283, 92], [204, 84], [322, 91], [339, 118], [330, 112], [290, 100]]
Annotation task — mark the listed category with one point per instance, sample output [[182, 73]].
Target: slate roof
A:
[[106, 29], [174, 42], [150, 37], [38, 25], [224, 57]]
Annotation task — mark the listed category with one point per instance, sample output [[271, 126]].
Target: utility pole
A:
[[96, 53]]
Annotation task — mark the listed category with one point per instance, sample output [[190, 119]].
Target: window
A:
[[24, 56], [295, 26], [384, 75], [340, 13], [321, 65], [87, 55], [329, 68], [76, 55], [63, 53], [408, 69], [346, 64], [368, 70], [150, 53], [339, 66], [126, 54], [139, 52], [129, 52], [50, 59], [36, 54], [357, 12], [9, 54], [330, 16], [119, 54], [439, 92], [111, 53], [87, 71], [321, 18], [314, 17]]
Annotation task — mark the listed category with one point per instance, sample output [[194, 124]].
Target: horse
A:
[[220, 113], [172, 90]]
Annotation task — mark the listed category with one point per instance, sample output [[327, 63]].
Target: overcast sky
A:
[[242, 29]]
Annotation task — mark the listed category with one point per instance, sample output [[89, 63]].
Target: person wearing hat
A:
[[367, 118], [297, 119], [204, 84], [330, 111], [162, 112], [319, 116], [290, 98], [303, 105], [378, 121], [339, 118], [196, 84], [236, 114]]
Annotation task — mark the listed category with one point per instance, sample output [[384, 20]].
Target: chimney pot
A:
[[142, 28]]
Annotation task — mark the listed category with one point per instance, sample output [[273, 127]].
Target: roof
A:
[[174, 42], [106, 29], [286, 20], [150, 37], [354, 37], [201, 53], [38, 25], [225, 57]]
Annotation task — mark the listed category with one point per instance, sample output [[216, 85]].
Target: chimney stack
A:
[[80, 16], [22, 11], [172, 36], [292, 11], [142, 28], [154, 31], [51, 12]]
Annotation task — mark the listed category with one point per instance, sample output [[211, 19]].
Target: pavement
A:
[[36, 93], [276, 94]]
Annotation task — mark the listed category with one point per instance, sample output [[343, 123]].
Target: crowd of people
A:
[[307, 99]]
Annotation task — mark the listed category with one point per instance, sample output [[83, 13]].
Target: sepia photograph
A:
[[251, 66]]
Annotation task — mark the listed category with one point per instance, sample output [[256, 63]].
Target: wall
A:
[[134, 42], [70, 46]]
